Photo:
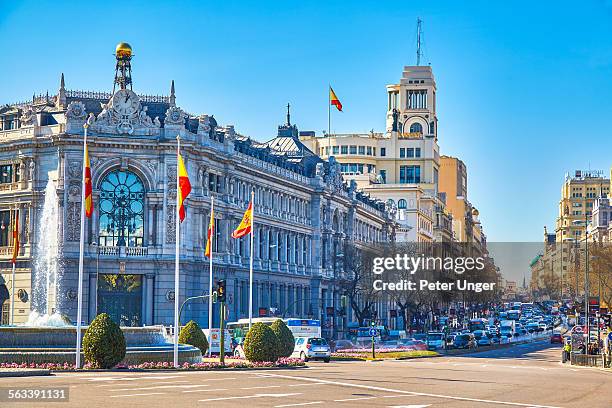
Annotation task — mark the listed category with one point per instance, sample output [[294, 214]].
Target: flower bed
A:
[[281, 362], [363, 355]]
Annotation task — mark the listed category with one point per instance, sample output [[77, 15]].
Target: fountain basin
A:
[[19, 344]]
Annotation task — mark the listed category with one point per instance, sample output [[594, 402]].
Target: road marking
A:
[[160, 383], [304, 384], [298, 404], [354, 399], [260, 386], [251, 396], [207, 390], [160, 386], [370, 387], [409, 406], [137, 395]]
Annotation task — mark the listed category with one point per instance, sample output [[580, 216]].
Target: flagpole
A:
[[251, 260], [210, 272], [329, 122], [13, 298], [81, 251], [176, 256]]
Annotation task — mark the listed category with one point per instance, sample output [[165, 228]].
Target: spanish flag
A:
[[87, 186], [333, 99], [183, 188], [15, 238], [246, 225], [211, 231]]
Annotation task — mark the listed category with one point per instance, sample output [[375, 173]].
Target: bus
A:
[[299, 327], [478, 324], [514, 314]]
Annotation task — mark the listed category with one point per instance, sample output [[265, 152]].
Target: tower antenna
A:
[[419, 51]]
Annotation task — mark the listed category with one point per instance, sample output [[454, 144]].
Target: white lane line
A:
[[298, 404], [207, 390], [370, 387], [160, 386], [251, 396], [260, 386], [137, 395], [354, 399], [159, 383], [304, 384]]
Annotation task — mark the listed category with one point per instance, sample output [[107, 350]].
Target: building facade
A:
[[305, 213], [401, 165], [578, 196]]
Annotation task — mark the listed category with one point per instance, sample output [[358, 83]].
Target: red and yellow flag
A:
[[183, 188], [87, 186], [15, 238], [211, 231], [246, 225], [333, 99]]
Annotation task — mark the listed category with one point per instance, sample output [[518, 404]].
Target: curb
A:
[[23, 372]]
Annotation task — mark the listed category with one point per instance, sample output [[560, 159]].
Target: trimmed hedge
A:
[[286, 341], [261, 344], [103, 343], [193, 335]]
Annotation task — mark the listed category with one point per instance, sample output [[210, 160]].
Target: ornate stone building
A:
[[305, 213]]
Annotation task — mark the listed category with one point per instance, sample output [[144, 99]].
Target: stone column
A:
[[149, 286], [93, 283]]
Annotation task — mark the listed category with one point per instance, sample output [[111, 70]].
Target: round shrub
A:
[[286, 341], [192, 334], [103, 343], [261, 344]]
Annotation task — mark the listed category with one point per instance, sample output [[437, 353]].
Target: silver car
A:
[[312, 348]]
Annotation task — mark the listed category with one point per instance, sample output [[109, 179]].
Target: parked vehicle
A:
[[313, 348], [556, 338], [412, 344], [436, 341], [465, 341], [343, 345]]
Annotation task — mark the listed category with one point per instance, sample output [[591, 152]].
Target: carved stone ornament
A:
[[333, 178], [125, 115], [75, 169], [76, 111], [175, 117], [28, 117]]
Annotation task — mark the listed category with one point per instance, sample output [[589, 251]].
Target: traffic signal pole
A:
[[221, 297]]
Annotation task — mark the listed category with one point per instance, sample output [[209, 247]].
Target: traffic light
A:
[[221, 290]]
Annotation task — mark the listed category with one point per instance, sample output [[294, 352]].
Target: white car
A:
[[311, 348]]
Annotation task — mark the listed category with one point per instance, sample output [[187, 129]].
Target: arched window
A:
[[121, 209], [401, 204], [416, 128]]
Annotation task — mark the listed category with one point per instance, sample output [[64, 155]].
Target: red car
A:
[[556, 338]]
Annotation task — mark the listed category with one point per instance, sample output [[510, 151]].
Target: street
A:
[[527, 375]]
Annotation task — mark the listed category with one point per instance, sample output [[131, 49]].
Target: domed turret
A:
[[123, 50]]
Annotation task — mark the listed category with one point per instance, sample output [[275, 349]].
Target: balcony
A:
[[119, 251]]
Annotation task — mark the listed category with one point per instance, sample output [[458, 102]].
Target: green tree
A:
[[103, 343], [285, 338], [192, 334], [261, 343]]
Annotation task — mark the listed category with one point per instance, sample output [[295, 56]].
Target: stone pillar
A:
[[93, 287], [149, 286]]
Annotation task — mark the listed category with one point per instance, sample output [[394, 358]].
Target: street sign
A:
[[373, 332], [610, 336]]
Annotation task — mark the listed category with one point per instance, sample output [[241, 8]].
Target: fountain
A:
[[49, 336], [47, 266]]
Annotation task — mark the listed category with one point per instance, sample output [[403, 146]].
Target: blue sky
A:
[[523, 87]]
